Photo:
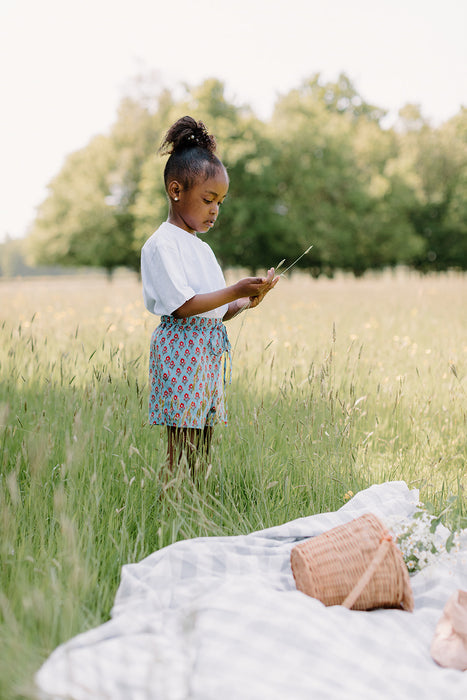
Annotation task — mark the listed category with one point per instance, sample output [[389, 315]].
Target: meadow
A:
[[337, 384]]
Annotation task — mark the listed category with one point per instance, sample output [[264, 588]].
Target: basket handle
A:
[[381, 552]]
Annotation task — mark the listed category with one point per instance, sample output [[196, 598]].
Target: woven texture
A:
[[356, 565]]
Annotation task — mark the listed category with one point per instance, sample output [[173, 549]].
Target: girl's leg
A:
[[191, 442], [176, 444], [207, 439]]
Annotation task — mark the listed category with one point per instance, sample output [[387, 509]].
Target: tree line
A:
[[322, 171]]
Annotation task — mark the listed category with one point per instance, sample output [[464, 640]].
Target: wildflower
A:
[[422, 539]]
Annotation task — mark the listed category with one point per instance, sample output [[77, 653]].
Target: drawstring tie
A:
[[219, 344]]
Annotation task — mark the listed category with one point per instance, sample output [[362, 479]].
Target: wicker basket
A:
[[356, 565]]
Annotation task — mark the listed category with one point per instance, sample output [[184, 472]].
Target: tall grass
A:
[[336, 385]]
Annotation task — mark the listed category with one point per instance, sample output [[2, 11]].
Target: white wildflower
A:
[[422, 538]]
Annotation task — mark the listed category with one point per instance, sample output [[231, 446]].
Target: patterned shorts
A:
[[186, 385]]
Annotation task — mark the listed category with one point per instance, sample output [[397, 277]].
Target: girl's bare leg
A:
[[207, 439], [191, 442], [178, 443]]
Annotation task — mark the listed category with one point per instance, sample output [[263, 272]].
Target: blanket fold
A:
[[221, 617]]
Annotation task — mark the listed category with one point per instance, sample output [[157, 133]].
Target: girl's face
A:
[[196, 209]]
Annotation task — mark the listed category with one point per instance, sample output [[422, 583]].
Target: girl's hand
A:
[[245, 293], [255, 288], [268, 283], [249, 292], [249, 287]]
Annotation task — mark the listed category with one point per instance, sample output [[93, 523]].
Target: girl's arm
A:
[[236, 296]]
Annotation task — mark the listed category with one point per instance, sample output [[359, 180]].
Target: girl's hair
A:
[[191, 150]]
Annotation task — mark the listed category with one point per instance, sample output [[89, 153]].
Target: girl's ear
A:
[[173, 190]]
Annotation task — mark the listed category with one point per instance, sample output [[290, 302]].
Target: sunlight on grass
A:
[[336, 385]]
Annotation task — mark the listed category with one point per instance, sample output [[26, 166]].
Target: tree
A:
[[321, 172], [87, 218], [75, 224], [249, 228], [335, 189], [434, 164], [339, 97]]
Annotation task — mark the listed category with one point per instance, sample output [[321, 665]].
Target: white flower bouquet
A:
[[422, 538]]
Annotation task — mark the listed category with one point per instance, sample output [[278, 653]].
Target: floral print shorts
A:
[[186, 381]]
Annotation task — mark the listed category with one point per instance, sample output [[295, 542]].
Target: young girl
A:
[[183, 283]]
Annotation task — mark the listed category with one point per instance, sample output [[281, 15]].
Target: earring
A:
[[175, 199]]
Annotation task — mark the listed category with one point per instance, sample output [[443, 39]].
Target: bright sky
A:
[[65, 64]]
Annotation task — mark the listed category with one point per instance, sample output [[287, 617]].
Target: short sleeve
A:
[[165, 287]]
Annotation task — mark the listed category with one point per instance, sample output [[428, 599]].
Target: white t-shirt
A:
[[176, 265]]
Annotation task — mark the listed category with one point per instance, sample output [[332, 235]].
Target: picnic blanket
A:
[[220, 618]]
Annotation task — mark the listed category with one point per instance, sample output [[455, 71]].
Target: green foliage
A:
[[339, 98], [336, 191], [323, 170], [435, 164], [75, 225]]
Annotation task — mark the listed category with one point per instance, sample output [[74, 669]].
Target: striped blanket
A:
[[220, 619]]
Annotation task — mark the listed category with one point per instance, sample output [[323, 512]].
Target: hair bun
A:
[[187, 133]]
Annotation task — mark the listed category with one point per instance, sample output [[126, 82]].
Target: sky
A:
[[66, 64]]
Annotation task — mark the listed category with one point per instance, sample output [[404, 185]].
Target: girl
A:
[[183, 283]]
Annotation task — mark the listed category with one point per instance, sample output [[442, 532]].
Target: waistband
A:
[[193, 321]]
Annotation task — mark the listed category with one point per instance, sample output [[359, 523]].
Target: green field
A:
[[337, 384]]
